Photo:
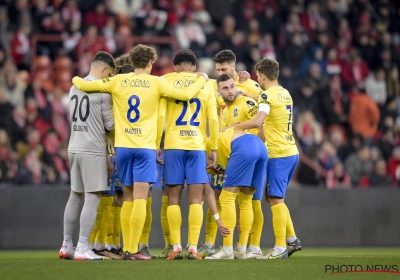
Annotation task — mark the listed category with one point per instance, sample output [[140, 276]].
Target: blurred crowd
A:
[[339, 59]]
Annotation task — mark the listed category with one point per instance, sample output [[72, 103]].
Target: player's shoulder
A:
[[251, 85]]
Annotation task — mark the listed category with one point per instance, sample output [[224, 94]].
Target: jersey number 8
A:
[[133, 108]]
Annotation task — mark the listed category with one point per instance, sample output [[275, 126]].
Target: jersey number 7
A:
[[180, 121], [289, 107]]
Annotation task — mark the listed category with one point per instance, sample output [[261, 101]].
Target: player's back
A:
[[186, 121], [88, 126], [136, 99], [278, 125]]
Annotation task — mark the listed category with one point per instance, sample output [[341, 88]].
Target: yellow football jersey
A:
[[241, 110], [136, 100], [278, 128], [250, 86], [186, 121]]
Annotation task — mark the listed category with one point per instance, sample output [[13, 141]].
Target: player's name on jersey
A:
[[78, 127], [289, 138], [133, 130], [188, 133], [135, 83]]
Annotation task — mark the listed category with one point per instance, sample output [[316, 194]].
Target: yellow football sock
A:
[[258, 223], [246, 217], [289, 227], [101, 234], [99, 217], [117, 226], [228, 215], [195, 221], [138, 217], [211, 225], [175, 222], [164, 220], [126, 211], [144, 239], [279, 222], [110, 224]]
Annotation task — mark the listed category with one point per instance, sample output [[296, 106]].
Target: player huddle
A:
[[224, 139]]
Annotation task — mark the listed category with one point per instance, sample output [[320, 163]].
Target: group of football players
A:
[[225, 139]]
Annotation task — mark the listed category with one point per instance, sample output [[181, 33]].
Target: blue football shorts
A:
[[181, 165], [136, 165], [247, 164], [279, 174]]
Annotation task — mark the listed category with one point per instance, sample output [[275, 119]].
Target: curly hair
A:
[[141, 55], [185, 56], [269, 67], [225, 56]]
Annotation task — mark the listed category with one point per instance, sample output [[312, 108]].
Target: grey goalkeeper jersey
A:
[[91, 116]]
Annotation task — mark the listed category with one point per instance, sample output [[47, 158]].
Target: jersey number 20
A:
[[133, 107], [180, 121], [82, 117]]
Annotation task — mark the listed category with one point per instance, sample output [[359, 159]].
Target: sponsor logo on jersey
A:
[[182, 83], [235, 112], [250, 103]]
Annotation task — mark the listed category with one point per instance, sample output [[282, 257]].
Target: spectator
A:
[[20, 47], [316, 56], [364, 116], [334, 103], [375, 86], [354, 71], [150, 21], [307, 100], [309, 131], [379, 177], [5, 34], [332, 63], [70, 13], [14, 88], [295, 51], [367, 50], [327, 155], [31, 172], [344, 31], [337, 178], [270, 23], [359, 164], [98, 17], [293, 27], [190, 35], [394, 166], [393, 92], [317, 79]]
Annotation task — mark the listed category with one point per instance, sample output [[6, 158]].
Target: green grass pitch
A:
[[311, 263]]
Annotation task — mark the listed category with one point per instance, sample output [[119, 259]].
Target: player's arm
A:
[[260, 133], [213, 123], [104, 85], [212, 204], [243, 76], [264, 107], [107, 112], [169, 91], [252, 96]]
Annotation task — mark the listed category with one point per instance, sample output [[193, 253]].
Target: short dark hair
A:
[[104, 57], [185, 56], [141, 55], [269, 67], [223, 78], [225, 56]]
